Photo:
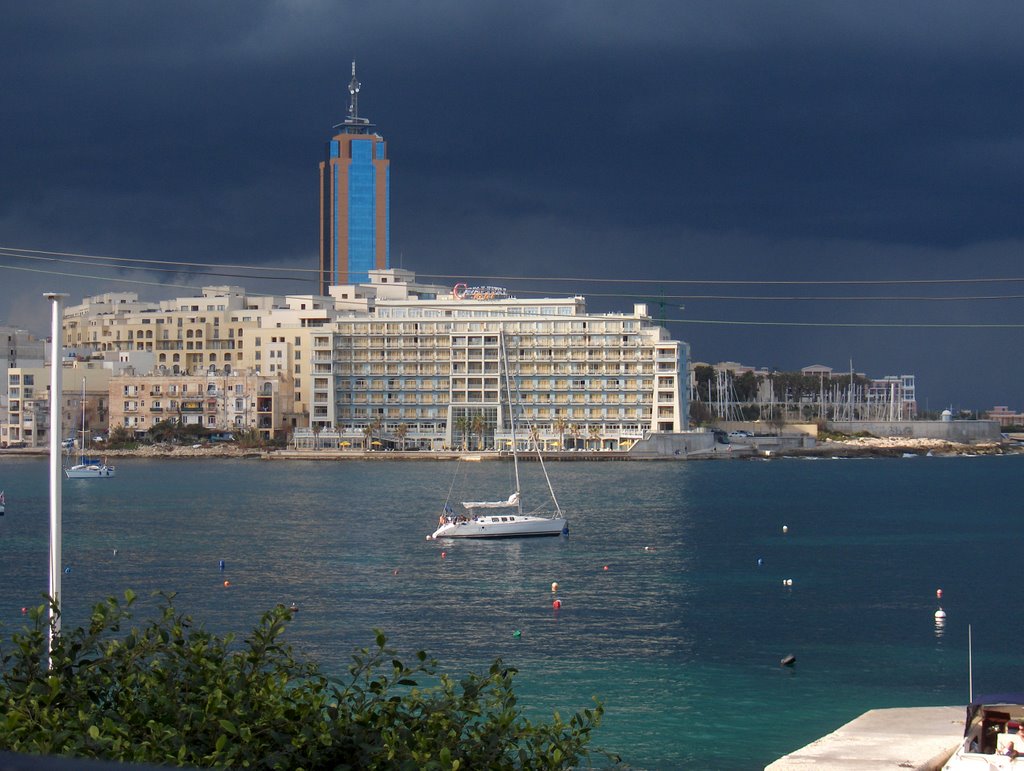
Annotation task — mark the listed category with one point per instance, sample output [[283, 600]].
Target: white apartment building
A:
[[420, 370]]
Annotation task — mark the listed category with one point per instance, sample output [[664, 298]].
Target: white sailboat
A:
[[512, 522], [88, 468]]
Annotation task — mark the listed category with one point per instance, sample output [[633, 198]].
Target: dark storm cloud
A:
[[662, 140]]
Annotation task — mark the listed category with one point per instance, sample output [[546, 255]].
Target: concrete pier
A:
[[921, 738]]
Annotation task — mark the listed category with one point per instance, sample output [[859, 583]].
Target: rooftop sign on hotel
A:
[[462, 291]]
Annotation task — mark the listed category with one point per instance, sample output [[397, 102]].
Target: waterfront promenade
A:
[[854, 447], [921, 738]]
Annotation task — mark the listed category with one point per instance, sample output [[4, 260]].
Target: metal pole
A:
[[56, 430], [970, 667]]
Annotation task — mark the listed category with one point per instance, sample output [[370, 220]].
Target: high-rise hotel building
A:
[[354, 200]]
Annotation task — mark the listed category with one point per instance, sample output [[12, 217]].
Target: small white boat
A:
[[514, 523], [89, 468], [993, 735]]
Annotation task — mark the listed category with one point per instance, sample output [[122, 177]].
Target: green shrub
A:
[[171, 693]]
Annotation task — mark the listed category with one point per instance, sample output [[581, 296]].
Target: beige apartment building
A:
[[218, 401], [28, 394], [224, 330]]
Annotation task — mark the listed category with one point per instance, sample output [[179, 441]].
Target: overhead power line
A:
[[138, 264], [867, 324], [29, 252], [730, 282], [41, 253]]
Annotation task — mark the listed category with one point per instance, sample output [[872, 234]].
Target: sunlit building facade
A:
[[429, 373]]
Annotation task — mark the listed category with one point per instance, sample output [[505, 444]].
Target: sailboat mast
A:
[[511, 417], [83, 423]]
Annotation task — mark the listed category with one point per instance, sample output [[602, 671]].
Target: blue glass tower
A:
[[355, 214]]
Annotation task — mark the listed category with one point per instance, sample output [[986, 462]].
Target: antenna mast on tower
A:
[[353, 95]]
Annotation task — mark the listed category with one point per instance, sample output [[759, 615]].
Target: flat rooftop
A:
[[920, 738]]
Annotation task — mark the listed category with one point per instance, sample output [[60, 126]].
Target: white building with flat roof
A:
[[426, 372]]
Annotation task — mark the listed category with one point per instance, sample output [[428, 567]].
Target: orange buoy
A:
[[444, 554], [605, 567], [556, 604], [227, 583]]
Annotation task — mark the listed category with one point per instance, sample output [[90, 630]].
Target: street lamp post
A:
[[56, 374]]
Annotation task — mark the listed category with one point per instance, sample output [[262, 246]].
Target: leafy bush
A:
[[172, 693]]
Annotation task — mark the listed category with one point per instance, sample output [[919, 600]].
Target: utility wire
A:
[[99, 278], [59, 257], [153, 270], [575, 279], [882, 325], [732, 282], [151, 262]]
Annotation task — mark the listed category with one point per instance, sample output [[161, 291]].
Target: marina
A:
[[674, 607]]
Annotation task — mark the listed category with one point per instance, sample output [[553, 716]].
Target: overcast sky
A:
[[678, 143]]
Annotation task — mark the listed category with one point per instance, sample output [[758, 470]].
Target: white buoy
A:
[[940, 614], [787, 581], [785, 528]]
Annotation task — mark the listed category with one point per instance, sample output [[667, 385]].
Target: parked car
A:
[[739, 434]]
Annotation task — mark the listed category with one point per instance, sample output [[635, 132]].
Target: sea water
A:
[[674, 582]]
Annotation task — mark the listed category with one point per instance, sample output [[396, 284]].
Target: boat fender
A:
[[222, 564], [788, 661]]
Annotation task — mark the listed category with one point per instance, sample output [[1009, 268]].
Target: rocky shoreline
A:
[[895, 447]]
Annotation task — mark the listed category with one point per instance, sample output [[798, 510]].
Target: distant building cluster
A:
[[419, 363], [732, 391]]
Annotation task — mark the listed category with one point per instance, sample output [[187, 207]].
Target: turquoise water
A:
[[680, 636]]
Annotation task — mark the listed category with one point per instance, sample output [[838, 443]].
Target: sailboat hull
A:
[[502, 527], [90, 471]]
